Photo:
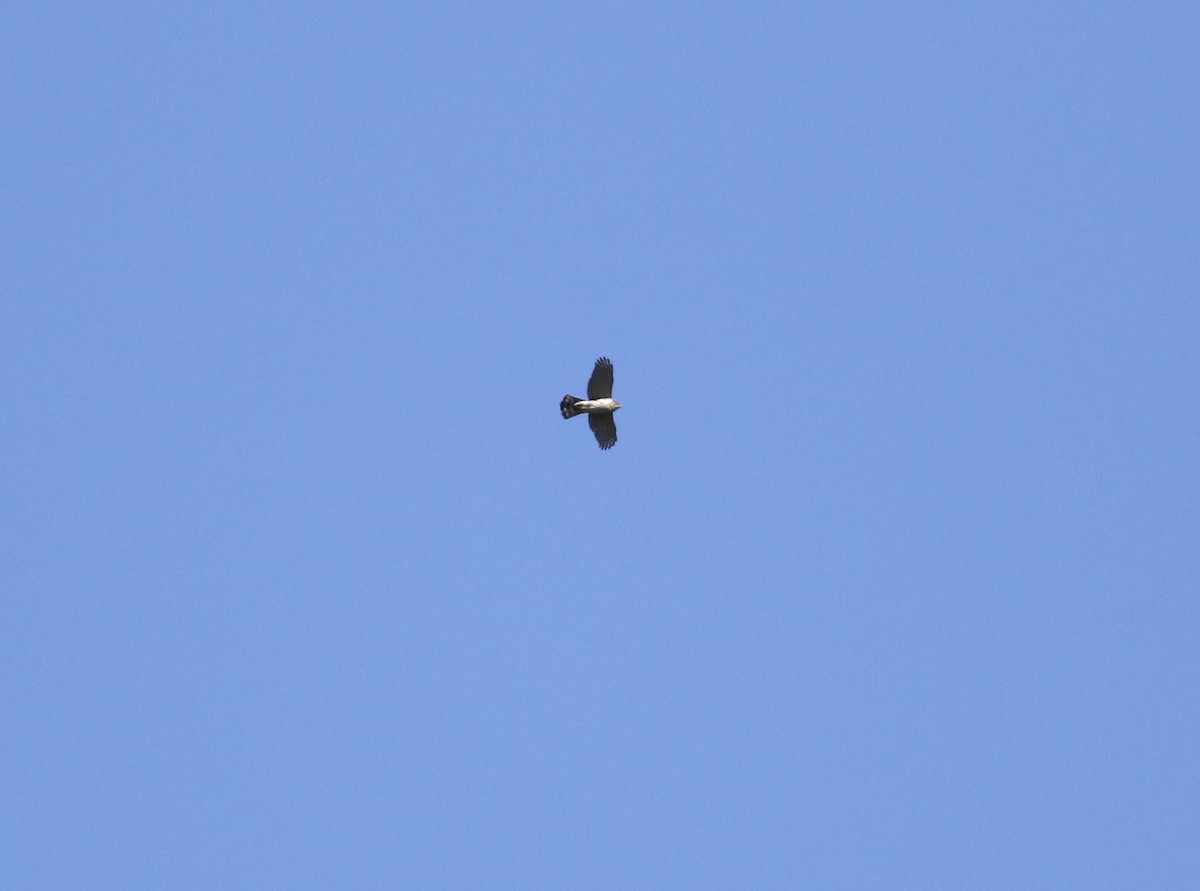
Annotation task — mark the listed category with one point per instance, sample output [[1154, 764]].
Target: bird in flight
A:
[[599, 406]]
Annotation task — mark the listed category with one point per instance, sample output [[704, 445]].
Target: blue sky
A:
[[890, 582]]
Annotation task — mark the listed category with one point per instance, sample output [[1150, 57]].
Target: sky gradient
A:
[[891, 581]]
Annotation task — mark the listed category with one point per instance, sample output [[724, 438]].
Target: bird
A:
[[599, 406]]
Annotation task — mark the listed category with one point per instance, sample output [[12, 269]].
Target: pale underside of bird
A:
[[599, 405]]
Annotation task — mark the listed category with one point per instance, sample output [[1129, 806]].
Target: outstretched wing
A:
[[604, 427], [600, 386]]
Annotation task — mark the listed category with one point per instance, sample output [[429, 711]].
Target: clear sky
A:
[[890, 583]]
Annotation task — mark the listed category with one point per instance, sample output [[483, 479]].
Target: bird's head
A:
[[616, 405]]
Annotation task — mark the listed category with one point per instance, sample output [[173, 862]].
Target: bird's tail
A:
[[568, 406]]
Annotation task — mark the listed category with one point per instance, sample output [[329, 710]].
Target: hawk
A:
[[599, 406]]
